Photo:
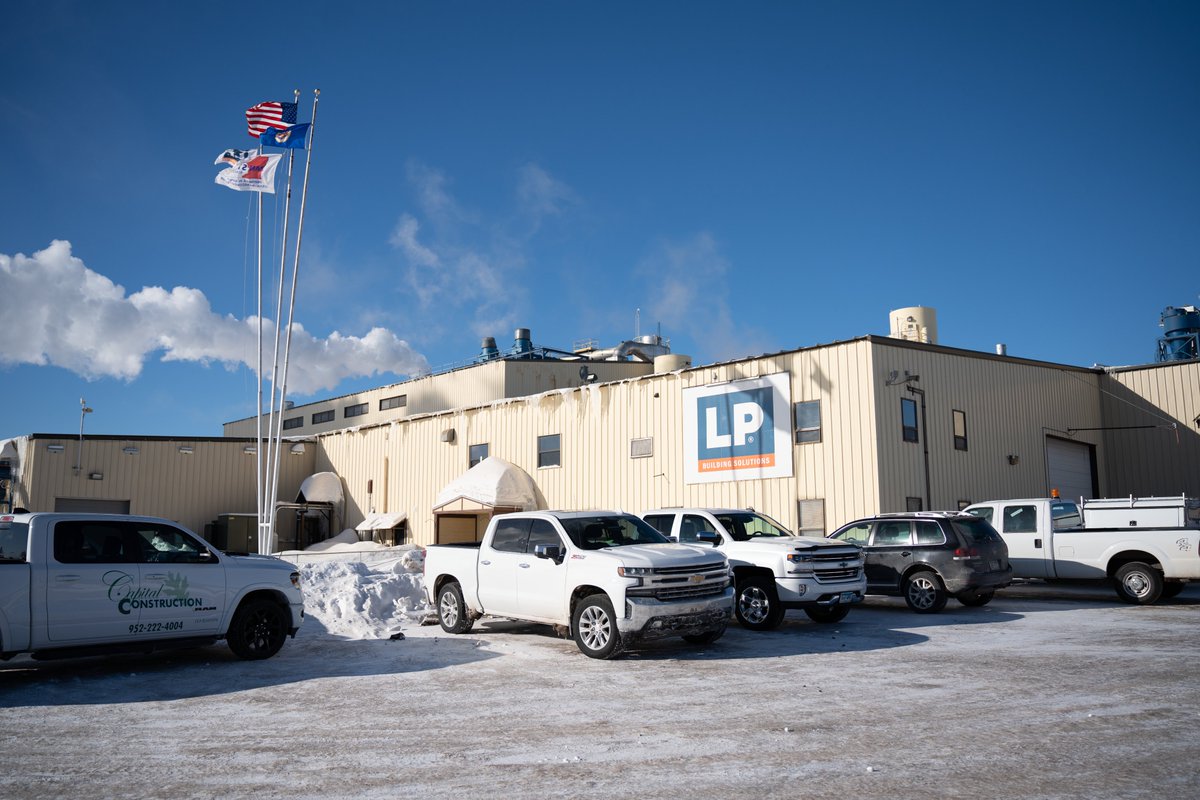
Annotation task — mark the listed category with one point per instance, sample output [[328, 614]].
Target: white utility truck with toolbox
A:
[[88, 584], [773, 570], [1149, 547], [607, 579]]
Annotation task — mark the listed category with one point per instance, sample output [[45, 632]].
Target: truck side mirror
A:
[[708, 537], [554, 552]]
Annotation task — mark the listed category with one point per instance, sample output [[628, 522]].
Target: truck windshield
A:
[[749, 525], [608, 530]]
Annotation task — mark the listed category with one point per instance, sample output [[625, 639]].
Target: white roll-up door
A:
[[1069, 468]]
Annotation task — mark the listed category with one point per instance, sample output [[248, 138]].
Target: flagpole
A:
[[259, 471], [276, 419], [312, 131]]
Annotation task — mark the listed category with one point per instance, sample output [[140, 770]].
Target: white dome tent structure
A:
[[493, 486]]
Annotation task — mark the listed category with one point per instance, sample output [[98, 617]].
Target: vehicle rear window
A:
[[976, 531], [13, 539], [1065, 515]]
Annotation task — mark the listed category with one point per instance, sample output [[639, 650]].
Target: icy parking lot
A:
[[1046, 692]]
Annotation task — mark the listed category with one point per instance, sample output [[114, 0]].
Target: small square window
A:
[[476, 453], [913, 504], [808, 421], [549, 451]]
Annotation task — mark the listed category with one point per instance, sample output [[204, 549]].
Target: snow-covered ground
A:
[[1046, 692]]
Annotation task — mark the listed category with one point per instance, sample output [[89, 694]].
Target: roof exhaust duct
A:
[[489, 349], [522, 343]]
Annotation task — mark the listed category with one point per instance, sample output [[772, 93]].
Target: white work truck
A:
[[773, 570], [605, 578], [87, 584], [1124, 541]]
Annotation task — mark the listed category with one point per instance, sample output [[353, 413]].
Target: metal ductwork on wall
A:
[[643, 348]]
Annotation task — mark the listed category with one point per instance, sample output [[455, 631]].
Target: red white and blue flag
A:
[[251, 172], [264, 116]]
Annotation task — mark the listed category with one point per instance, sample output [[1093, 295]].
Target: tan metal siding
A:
[[217, 477], [1165, 459], [1010, 408]]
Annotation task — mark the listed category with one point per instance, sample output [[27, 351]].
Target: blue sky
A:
[[752, 177]]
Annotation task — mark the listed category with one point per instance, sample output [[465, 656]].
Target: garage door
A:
[[91, 506], [1069, 468]]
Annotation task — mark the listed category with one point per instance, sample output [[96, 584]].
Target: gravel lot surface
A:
[[1048, 692]]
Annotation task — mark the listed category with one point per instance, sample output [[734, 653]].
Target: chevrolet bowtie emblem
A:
[[697, 579]]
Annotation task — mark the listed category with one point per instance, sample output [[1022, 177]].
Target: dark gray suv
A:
[[927, 556]]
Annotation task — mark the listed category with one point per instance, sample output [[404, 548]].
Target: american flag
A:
[[269, 115]]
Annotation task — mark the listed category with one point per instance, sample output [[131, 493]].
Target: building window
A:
[[913, 504], [355, 411], [963, 504], [294, 422], [549, 452], [812, 518], [908, 419], [399, 401], [960, 430], [641, 448], [476, 453], [322, 416], [807, 416]]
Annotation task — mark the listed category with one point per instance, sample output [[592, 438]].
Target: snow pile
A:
[[366, 601]]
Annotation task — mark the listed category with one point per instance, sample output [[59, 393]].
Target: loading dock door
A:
[[1071, 468]]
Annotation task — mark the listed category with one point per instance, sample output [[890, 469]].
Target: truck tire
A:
[[708, 637], [828, 614], [924, 593], [1139, 583], [594, 626], [756, 604], [976, 598], [452, 611], [257, 630]]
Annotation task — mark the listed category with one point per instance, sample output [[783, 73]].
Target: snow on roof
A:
[[321, 487], [492, 482], [379, 522]]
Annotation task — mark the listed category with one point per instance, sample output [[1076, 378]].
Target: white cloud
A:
[[690, 282], [462, 267], [72, 317]]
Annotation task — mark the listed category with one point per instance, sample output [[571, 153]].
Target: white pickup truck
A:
[[773, 570], [86, 584], [1115, 540], [605, 578]]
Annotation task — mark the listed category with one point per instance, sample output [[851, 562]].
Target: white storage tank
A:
[[914, 323]]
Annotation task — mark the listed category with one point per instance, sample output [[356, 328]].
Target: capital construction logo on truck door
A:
[[738, 431]]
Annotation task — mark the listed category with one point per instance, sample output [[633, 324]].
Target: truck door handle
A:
[[1037, 543], [158, 577], [67, 578], [485, 563], [523, 566], [906, 553]]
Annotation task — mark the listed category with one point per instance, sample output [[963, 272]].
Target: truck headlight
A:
[[634, 572], [801, 563]]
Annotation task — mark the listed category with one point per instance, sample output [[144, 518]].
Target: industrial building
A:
[[814, 437]]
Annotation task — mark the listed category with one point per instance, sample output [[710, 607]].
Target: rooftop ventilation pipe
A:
[[521, 341], [489, 350]]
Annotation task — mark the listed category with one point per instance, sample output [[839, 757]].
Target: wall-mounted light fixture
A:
[[447, 436], [186, 450], [297, 449], [55, 448], [130, 451], [1014, 460], [95, 476], [249, 449]]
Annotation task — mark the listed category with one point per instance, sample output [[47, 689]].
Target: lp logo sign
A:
[[738, 431], [736, 425]]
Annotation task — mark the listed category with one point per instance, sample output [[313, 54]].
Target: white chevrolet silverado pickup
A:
[[605, 578], [1147, 547], [773, 570], [86, 584]]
